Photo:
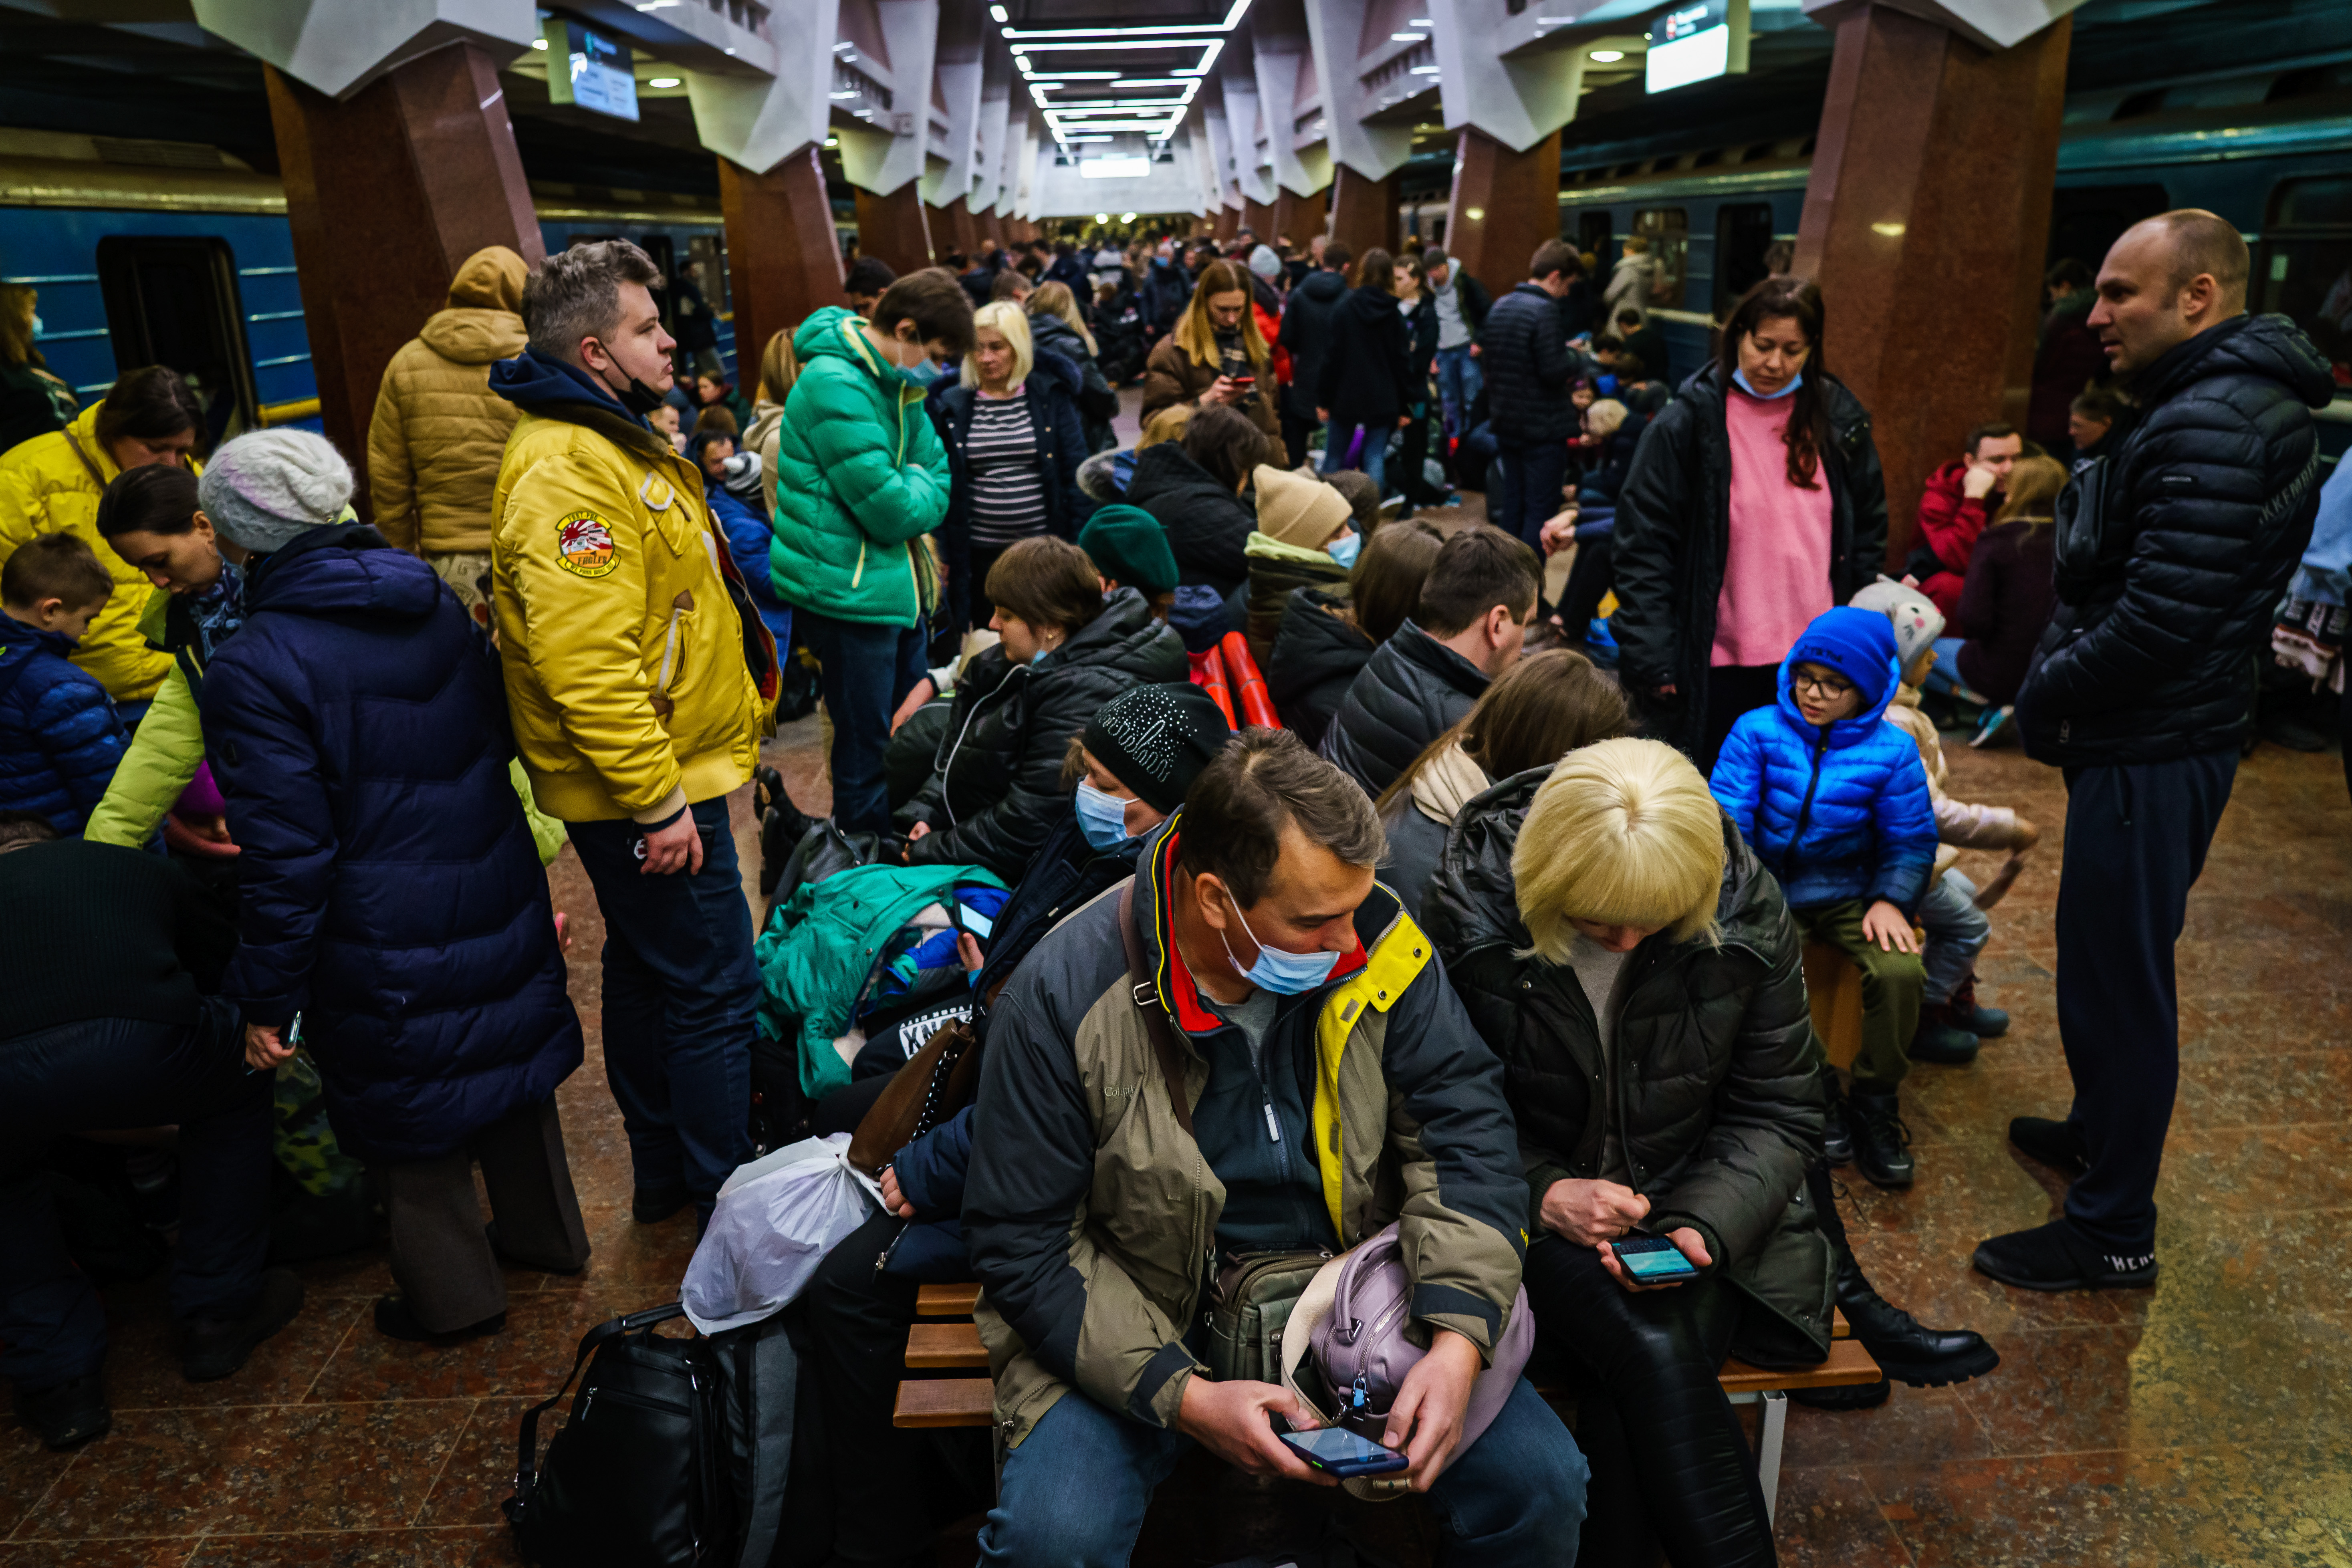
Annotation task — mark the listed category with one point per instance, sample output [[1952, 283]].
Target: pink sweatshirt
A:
[[1776, 572]]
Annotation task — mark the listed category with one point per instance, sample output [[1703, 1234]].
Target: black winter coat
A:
[[389, 891], [1420, 348], [1207, 525], [1306, 333], [2172, 552], [1317, 657], [996, 789], [1674, 529], [1097, 404], [1410, 690], [1524, 352], [1053, 386], [1718, 1101], [1364, 378]]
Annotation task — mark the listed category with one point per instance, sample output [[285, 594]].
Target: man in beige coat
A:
[[439, 432]]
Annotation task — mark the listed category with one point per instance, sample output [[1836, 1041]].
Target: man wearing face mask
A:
[[639, 684], [1291, 1073]]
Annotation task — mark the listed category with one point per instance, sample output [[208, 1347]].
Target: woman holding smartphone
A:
[[1636, 968]]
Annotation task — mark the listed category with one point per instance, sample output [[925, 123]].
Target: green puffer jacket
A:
[[860, 478], [1713, 1074]]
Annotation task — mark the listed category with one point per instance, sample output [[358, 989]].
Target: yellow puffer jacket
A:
[[623, 653], [47, 487], [438, 432]]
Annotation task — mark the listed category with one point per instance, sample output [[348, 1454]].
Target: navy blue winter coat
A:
[[60, 739], [389, 890], [1835, 814]]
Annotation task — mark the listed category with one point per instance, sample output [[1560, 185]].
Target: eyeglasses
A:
[[1826, 687]]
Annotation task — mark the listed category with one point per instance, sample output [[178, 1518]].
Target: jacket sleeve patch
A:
[[584, 545]]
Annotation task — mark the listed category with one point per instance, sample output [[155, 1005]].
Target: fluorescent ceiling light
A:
[[1423, 71], [1127, 217], [1137, 167], [663, 81], [1152, 81], [539, 43], [1406, 37], [1076, 141], [842, 95], [998, 13], [1102, 217], [1208, 58], [1607, 57]]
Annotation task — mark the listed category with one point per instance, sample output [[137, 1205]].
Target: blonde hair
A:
[[1007, 319], [780, 367], [1604, 416], [1624, 832], [1055, 298], [2033, 491]]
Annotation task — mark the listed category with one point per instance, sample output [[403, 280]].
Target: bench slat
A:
[[955, 1301], [946, 1402], [950, 1346]]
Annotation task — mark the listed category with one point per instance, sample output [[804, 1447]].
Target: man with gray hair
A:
[[640, 682], [1249, 1048]]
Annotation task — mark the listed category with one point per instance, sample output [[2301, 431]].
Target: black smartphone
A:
[[1336, 1451], [1654, 1260]]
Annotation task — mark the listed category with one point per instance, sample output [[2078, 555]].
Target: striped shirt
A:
[[1008, 493]]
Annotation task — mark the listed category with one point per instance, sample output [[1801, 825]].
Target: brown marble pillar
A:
[[387, 194], [955, 222], [783, 259], [1503, 206], [1926, 216], [1228, 221], [892, 228], [1259, 216], [1300, 217], [991, 228], [1363, 210]]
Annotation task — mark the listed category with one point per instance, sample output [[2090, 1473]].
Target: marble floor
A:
[[2207, 1421]]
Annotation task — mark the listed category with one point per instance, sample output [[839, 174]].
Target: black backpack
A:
[[675, 1455]]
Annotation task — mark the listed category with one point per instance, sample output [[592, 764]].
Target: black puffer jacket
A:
[[1207, 525], [1410, 690], [1674, 529], [997, 788], [1364, 379], [1523, 348], [1713, 1075], [2173, 551], [1306, 333], [1097, 404], [1060, 432], [1317, 657]]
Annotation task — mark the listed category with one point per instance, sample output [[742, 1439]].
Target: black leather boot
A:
[[1881, 1144], [1906, 1350]]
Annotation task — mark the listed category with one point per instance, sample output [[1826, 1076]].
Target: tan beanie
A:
[[1298, 510]]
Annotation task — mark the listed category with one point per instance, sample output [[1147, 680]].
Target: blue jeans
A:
[[1373, 462], [126, 1072], [1459, 381], [865, 671], [1527, 497], [680, 988], [1073, 1493], [1956, 932]]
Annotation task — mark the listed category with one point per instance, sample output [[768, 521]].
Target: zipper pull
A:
[[1359, 1396], [587, 1405], [1273, 1127]]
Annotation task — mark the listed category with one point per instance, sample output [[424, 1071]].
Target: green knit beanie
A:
[[1128, 544]]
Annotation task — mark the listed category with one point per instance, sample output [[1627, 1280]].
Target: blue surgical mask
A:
[[1102, 818], [1343, 548], [1794, 383], [36, 326], [1285, 974]]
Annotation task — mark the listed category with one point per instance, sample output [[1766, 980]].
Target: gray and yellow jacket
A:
[[1091, 1214]]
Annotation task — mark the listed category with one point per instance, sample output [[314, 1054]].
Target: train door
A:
[[710, 251], [175, 302], [2303, 268], [663, 256], [1668, 231], [1743, 245], [1592, 237]]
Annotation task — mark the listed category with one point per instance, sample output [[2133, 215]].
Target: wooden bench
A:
[[1834, 991], [954, 1346]]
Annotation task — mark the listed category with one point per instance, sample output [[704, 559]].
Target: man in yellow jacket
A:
[[438, 434], [640, 683]]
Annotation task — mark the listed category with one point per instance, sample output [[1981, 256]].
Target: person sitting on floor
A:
[[1306, 538], [1327, 635], [2006, 602], [60, 741], [1960, 500]]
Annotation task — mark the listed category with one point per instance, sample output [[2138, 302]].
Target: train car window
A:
[[2084, 220], [2304, 266], [175, 302], [1668, 232], [1743, 245], [708, 250], [1592, 234], [663, 256]]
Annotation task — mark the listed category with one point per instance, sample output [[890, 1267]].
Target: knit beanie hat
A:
[[1298, 510], [1128, 544], [1918, 621], [1857, 644], [263, 489], [1155, 739], [1265, 263]]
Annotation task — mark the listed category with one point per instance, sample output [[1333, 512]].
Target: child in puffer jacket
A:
[[1953, 914], [731, 480], [61, 740], [1833, 801]]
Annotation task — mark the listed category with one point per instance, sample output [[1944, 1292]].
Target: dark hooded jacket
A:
[[1207, 525], [389, 890], [1412, 690], [996, 788], [1053, 386], [1674, 530], [1714, 1078], [1365, 378], [2173, 551], [1317, 657], [1306, 333], [1097, 404], [1523, 350]]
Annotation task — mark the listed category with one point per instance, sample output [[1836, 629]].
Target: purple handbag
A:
[[1364, 1356]]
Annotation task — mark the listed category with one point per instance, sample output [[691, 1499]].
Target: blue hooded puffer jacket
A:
[[61, 740], [1838, 813], [389, 889]]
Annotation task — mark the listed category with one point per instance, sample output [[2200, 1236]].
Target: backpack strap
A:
[[526, 1462], [1145, 994], [95, 476]]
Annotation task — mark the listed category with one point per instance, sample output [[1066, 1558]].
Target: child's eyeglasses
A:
[[1828, 686]]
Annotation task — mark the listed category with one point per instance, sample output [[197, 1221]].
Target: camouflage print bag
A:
[[301, 1140]]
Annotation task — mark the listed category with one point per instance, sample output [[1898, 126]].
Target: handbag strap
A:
[[1145, 994], [589, 1343], [96, 477]]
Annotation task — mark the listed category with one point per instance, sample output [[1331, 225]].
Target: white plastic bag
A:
[[776, 1219]]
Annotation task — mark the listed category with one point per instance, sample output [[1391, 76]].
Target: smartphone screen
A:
[[1651, 1258], [1331, 1448]]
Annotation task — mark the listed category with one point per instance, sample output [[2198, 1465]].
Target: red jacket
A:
[[1949, 525], [1270, 330]]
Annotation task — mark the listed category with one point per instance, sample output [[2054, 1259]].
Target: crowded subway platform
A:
[[1431, 850]]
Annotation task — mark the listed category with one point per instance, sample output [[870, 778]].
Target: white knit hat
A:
[[263, 489], [1265, 263], [1918, 621]]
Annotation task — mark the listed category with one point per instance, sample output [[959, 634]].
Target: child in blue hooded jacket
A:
[[1833, 799]]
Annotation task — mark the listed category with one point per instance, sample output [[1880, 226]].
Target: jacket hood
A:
[[532, 380], [342, 569], [1313, 644], [1860, 645], [20, 641], [834, 333], [1124, 637], [1368, 305], [1051, 333], [1450, 779], [474, 336], [1165, 468], [1324, 286], [491, 280], [2271, 347]]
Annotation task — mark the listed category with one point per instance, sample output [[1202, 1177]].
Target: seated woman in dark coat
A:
[[1194, 487], [1326, 635], [1636, 970], [996, 786], [393, 901]]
